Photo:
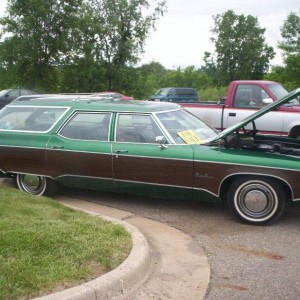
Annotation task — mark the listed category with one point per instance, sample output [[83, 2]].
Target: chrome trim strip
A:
[[153, 157], [168, 185], [51, 149], [81, 176], [22, 147], [78, 151], [248, 165], [153, 183], [33, 174], [69, 139]]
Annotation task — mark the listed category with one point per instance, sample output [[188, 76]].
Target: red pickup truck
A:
[[244, 97]]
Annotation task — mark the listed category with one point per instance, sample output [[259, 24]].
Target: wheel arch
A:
[[227, 181], [295, 131]]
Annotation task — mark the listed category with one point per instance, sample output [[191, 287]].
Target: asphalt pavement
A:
[[246, 261]]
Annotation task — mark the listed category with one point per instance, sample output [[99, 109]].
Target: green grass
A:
[[213, 93], [45, 246]]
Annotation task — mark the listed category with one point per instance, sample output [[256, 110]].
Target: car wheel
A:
[[256, 200], [36, 185]]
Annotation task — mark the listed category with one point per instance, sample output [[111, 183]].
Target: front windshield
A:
[[162, 92], [3, 92], [184, 128], [278, 90]]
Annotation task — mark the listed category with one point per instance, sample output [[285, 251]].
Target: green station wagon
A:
[[148, 148]]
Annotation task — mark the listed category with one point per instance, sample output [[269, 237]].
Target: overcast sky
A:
[[182, 34]]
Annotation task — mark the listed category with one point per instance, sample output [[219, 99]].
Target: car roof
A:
[[34, 96], [177, 87], [258, 114], [256, 82], [107, 93], [94, 103]]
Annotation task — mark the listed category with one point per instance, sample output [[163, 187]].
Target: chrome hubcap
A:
[[32, 184], [256, 200]]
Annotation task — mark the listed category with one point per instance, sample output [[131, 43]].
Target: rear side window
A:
[[186, 92], [87, 126], [36, 119]]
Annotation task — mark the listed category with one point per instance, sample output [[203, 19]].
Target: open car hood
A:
[[259, 113]]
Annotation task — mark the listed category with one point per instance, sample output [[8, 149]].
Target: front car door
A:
[[249, 98], [142, 166]]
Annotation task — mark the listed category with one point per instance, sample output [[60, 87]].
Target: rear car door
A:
[[81, 151]]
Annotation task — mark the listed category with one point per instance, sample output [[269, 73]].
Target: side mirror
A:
[[162, 142], [267, 100]]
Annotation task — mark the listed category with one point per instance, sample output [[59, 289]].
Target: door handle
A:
[[121, 151], [232, 114], [57, 147]]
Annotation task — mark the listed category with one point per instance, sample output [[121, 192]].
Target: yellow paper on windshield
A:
[[190, 137]]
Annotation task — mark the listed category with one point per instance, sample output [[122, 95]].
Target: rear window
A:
[[36, 119]]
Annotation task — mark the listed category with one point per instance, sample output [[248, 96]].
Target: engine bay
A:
[[263, 143]]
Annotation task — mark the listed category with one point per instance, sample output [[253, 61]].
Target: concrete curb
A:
[[118, 282]]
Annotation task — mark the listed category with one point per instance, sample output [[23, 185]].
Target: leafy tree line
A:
[[74, 45], [95, 45]]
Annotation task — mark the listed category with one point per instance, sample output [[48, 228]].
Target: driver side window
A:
[[249, 96], [136, 128]]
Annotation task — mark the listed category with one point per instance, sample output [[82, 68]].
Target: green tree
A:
[[290, 46], [290, 33], [36, 35], [119, 30], [241, 50], [210, 68], [148, 79]]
